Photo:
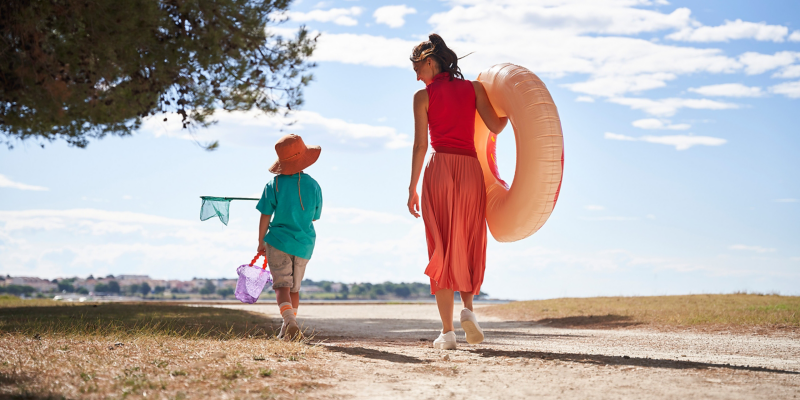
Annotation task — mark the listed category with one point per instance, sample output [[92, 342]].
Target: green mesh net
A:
[[218, 207]]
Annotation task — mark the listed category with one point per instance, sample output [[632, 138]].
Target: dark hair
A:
[[436, 48]]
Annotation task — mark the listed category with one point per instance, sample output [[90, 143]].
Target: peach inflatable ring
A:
[[518, 211]]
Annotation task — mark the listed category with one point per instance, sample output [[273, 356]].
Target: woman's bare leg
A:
[[466, 299], [444, 299]]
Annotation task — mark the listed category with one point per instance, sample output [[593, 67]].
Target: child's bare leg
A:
[[283, 296], [295, 300], [466, 299], [445, 300]]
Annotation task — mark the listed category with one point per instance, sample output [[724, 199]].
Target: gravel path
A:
[[384, 351]]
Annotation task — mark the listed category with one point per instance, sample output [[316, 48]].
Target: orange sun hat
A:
[[293, 155]]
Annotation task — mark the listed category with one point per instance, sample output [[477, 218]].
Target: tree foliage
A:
[[82, 69]]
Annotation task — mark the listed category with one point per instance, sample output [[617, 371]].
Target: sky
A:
[[681, 137]]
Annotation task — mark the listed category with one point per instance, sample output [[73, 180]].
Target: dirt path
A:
[[384, 351]]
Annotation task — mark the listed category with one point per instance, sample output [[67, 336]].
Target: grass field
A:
[[54, 350], [705, 312]]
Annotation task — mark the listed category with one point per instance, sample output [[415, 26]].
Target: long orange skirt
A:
[[454, 211]]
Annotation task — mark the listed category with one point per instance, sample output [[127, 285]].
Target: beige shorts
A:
[[287, 270]]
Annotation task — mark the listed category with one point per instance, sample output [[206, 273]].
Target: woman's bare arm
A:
[[486, 111], [420, 148]]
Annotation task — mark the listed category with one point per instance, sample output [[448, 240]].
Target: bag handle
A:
[[259, 254]]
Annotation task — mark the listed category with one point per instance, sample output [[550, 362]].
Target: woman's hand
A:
[[413, 203]]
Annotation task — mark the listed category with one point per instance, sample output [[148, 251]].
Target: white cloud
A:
[[339, 16], [757, 249], [668, 107], [48, 218], [585, 99], [729, 90], [5, 182], [561, 37], [252, 128], [594, 207], [732, 30], [51, 243], [791, 71], [609, 218], [681, 142], [607, 86], [374, 51], [360, 216], [394, 16], [788, 89], [758, 63], [617, 136], [786, 200], [653, 123], [795, 36]]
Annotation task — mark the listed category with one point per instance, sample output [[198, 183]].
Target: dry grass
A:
[[703, 312], [116, 320], [8, 301], [147, 350]]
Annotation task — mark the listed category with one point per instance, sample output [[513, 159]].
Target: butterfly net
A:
[[218, 207], [215, 207]]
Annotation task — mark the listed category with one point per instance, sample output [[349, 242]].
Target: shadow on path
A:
[[418, 329], [596, 359], [376, 354], [590, 322]]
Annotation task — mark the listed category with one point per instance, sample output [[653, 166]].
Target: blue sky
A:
[[681, 135]]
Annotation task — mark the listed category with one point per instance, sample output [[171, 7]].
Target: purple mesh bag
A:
[[252, 280]]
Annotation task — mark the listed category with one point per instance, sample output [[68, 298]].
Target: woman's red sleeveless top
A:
[[451, 115]]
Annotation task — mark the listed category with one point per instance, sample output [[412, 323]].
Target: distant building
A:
[[42, 285], [140, 278], [311, 289]]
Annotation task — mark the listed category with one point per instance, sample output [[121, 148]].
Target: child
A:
[[296, 200]]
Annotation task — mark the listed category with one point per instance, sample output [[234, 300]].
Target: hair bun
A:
[[435, 39]]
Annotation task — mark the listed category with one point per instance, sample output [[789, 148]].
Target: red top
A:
[[451, 114]]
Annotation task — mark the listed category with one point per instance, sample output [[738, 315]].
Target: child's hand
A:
[[262, 247]]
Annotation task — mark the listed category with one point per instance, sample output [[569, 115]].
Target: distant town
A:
[[120, 287]]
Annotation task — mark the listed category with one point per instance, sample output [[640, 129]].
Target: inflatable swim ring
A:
[[518, 211]]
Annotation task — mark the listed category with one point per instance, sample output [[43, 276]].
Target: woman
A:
[[453, 192]]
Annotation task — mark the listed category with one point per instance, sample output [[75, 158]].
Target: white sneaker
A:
[[445, 341], [470, 325], [283, 330]]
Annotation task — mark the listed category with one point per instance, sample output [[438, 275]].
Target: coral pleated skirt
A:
[[454, 211]]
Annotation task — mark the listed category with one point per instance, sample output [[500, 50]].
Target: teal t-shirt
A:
[[296, 201]]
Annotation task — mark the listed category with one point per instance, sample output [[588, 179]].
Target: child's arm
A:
[[263, 225]]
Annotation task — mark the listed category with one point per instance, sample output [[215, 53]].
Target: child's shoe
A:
[[292, 331], [470, 325], [445, 341]]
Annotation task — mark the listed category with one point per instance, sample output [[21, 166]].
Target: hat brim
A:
[[294, 166]]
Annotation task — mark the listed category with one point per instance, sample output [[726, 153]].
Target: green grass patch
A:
[[743, 310], [133, 320]]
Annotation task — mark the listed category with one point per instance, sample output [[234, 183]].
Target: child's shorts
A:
[[287, 270]]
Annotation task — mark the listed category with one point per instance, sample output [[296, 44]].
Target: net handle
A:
[[259, 254], [228, 198]]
